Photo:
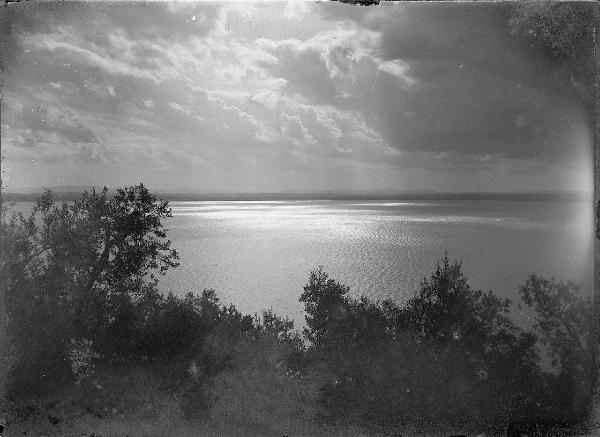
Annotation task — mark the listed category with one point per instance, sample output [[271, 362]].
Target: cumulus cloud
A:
[[397, 68], [177, 107], [341, 51], [296, 9], [284, 89]]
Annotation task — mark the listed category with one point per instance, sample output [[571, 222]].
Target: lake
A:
[[259, 254]]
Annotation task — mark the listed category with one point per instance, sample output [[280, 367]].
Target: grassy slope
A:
[[256, 396]]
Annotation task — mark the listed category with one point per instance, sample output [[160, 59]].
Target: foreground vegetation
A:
[[97, 348]]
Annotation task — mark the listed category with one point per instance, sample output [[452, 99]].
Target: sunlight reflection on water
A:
[[258, 254]]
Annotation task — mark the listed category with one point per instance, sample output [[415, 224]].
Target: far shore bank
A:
[[59, 193]]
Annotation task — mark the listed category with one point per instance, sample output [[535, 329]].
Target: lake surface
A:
[[259, 254]]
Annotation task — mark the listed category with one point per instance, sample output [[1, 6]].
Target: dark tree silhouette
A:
[[68, 267], [564, 322], [569, 31], [451, 354]]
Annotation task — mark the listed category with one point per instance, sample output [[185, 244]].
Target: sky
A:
[[278, 96]]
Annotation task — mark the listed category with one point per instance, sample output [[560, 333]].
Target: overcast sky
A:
[[285, 96]]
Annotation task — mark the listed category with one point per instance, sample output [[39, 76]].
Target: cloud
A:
[[284, 89], [296, 9], [342, 52], [293, 128], [397, 68], [63, 45], [177, 107]]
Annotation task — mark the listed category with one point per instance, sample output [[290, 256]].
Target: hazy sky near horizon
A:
[[285, 96]]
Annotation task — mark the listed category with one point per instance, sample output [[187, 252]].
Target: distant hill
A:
[[54, 189], [72, 192]]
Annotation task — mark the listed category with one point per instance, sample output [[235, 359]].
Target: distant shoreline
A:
[[567, 196]]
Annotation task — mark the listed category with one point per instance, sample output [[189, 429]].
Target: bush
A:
[[83, 306], [564, 322], [452, 354], [260, 392], [72, 270], [82, 356]]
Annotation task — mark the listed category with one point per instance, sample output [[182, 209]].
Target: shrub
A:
[[452, 354], [81, 355], [71, 268], [564, 322]]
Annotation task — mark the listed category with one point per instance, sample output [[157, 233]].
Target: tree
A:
[[475, 338], [448, 310], [70, 268], [598, 220], [564, 321], [567, 32], [325, 302], [5, 360], [452, 353]]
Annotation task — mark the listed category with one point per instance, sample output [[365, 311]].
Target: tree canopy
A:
[[80, 289], [68, 267], [568, 31]]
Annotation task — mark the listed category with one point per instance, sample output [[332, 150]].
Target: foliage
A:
[[259, 390], [474, 328], [324, 301], [5, 359], [82, 356], [82, 301], [175, 327], [446, 309], [566, 30], [281, 328], [562, 317], [451, 354], [598, 220], [564, 321], [70, 269]]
